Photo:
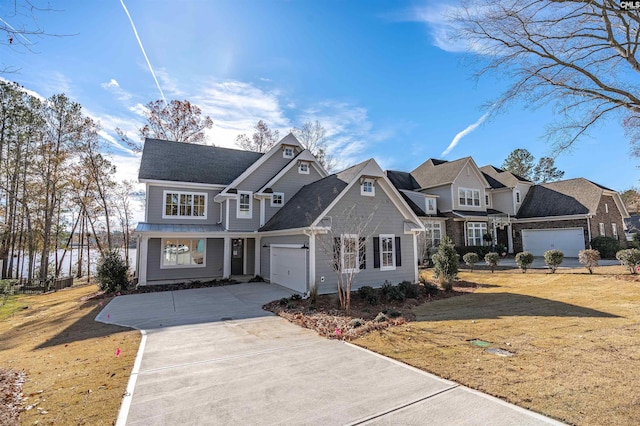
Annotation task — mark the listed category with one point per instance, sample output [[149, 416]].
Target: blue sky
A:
[[377, 74]]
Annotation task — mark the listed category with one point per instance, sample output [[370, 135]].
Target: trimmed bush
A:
[[553, 259], [470, 259], [409, 289], [112, 272], [381, 317], [524, 260], [492, 260], [431, 289], [479, 250], [357, 322], [369, 294], [445, 264], [589, 258], [395, 292], [629, 258], [607, 246]]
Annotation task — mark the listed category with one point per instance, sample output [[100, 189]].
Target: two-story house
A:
[[215, 212]]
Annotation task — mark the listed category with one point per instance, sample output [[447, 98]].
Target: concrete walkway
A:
[[197, 366]]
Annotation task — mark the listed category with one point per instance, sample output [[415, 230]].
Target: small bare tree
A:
[[262, 140], [313, 136], [345, 247]]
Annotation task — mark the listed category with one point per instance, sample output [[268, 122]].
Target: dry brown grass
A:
[[575, 336], [72, 373]]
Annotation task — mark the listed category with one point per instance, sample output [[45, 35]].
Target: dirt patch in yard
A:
[[72, 372], [574, 336]]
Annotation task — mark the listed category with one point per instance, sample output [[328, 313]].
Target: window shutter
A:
[[336, 253], [362, 252], [376, 252], [398, 252]]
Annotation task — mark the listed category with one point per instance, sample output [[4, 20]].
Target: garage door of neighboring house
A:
[[569, 240], [289, 267]]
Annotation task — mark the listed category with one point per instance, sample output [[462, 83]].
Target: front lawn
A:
[[575, 339]]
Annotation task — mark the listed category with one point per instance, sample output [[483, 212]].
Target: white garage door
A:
[[288, 267], [569, 240]]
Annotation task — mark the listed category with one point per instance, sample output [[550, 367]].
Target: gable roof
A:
[[186, 162], [309, 203], [402, 180], [566, 197], [502, 178], [434, 172]]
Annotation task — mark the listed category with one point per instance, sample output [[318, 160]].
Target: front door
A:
[[237, 256]]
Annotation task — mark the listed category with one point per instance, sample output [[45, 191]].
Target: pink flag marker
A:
[[108, 316], [118, 353]]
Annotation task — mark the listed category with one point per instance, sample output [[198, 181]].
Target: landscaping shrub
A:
[[479, 250], [492, 260], [296, 297], [589, 258], [524, 260], [445, 263], [381, 317], [470, 259], [283, 301], [553, 259], [112, 272], [395, 292], [369, 294], [6, 289], [607, 246], [629, 258], [356, 322], [393, 313], [409, 289], [431, 289]]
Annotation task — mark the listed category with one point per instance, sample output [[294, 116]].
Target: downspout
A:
[[589, 230]]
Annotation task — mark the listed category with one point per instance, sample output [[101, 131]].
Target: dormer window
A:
[[277, 199], [244, 206], [518, 197], [303, 168], [367, 188], [431, 205], [287, 152]]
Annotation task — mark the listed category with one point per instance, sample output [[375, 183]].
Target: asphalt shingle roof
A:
[[503, 177], [434, 172], [566, 197], [402, 180], [312, 199], [186, 162]]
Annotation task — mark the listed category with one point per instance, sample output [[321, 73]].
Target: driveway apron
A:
[[213, 356]]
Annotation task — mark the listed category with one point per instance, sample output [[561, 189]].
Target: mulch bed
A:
[[10, 396], [328, 320]]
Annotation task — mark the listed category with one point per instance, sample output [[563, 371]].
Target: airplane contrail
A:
[[464, 133], [135, 31]]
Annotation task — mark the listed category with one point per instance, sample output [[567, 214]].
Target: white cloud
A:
[[470, 128], [114, 87], [110, 83], [168, 84], [139, 109]]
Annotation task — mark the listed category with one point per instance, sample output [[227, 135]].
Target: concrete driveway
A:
[[213, 356]]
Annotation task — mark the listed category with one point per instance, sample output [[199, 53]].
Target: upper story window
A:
[[517, 196], [431, 205], [288, 152], [303, 168], [367, 188], [606, 208], [245, 203], [487, 200], [469, 197], [277, 199], [185, 204]]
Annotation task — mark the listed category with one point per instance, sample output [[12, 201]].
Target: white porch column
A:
[[312, 260], [226, 268], [256, 260], [143, 253], [262, 212], [510, 238], [415, 257]]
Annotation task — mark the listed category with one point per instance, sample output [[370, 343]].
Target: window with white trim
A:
[[349, 253], [475, 233], [185, 204], [303, 168], [387, 252], [469, 197], [517, 196], [277, 199], [183, 253], [431, 205], [244, 207], [601, 226], [606, 208], [614, 230], [287, 152], [433, 233], [367, 188]]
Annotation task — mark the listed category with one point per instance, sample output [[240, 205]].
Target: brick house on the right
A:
[[567, 215]]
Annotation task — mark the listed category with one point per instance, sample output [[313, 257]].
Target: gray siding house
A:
[[216, 212]]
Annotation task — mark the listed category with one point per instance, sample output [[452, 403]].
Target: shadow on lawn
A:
[[84, 328], [495, 305]]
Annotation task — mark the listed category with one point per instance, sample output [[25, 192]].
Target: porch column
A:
[[256, 260], [510, 238], [143, 253], [226, 268], [415, 257], [464, 233], [312, 260]]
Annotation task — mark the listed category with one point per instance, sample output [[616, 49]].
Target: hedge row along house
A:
[[214, 212]]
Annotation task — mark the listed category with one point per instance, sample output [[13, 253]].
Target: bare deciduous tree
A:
[[262, 140], [313, 136], [179, 121], [579, 55]]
